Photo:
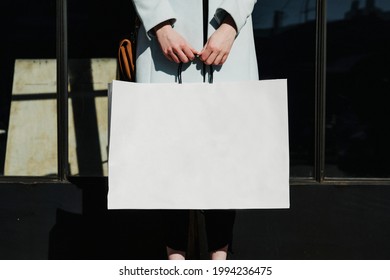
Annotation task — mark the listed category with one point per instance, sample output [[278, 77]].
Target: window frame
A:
[[319, 177]]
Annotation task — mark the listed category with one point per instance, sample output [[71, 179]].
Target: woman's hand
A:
[[218, 46], [173, 45]]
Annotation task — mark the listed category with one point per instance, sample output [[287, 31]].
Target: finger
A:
[[224, 58], [189, 53], [168, 57], [210, 60], [204, 53], [218, 59], [174, 54], [173, 57], [182, 56]]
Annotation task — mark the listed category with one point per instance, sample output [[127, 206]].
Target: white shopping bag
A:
[[198, 146]]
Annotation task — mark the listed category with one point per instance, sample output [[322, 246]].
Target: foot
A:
[[220, 254], [175, 254]]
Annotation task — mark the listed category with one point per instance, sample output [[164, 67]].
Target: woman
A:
[[172, 32]]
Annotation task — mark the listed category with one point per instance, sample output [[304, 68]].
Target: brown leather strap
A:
[[127, 53], [126, 60]]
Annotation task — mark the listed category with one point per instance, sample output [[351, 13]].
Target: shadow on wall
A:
[[102, 234]]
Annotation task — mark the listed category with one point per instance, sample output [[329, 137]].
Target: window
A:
[[358, 86], [28, 127], [285, 41], [333, 53]]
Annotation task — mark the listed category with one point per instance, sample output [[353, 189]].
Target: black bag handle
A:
[[205, 37]]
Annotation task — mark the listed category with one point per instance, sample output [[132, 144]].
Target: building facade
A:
[[56, 59]]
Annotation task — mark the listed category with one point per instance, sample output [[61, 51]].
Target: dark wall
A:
[[28, 216], [65, 221], [70, 221], [324, 222]]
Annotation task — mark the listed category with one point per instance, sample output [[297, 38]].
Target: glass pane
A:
[[285, 43], [93, 34], [28, 128], [358, 86]]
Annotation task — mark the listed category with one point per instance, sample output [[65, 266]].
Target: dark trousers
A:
[[218, 223]]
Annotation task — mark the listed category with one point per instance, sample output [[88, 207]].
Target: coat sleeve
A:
[[239, 10], [153, 12]]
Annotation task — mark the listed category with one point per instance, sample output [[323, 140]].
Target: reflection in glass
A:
[[88, 122], [285, 43], [28, 129], [93, 36], [358, 86]]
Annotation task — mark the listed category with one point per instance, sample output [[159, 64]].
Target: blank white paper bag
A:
[[198, 146]]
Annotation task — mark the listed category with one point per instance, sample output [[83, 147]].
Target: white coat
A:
[[187, 18]]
